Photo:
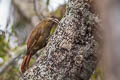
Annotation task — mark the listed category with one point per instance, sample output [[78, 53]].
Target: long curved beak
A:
[[56, 21]]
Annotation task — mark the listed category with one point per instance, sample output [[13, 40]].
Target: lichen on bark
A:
[[71, 53]]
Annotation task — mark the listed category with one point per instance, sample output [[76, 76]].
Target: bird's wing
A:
[[32, 39]]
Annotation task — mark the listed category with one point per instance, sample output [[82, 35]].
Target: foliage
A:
[[3, 47], [47, 2], [97, 75], [10, 74]]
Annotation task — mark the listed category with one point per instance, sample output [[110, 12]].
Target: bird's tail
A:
[[25, 62]]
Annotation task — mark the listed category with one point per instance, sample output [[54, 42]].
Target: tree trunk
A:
[[71, 53]]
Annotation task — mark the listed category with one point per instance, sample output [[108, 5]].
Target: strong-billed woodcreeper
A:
[[37, 39]]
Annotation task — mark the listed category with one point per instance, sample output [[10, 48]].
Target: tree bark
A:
[[71, 53]]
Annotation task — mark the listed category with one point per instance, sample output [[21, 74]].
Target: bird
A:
[[37, 39]]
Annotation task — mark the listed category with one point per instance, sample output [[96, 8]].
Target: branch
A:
[[36, 10], [12, 60], [71, 53]]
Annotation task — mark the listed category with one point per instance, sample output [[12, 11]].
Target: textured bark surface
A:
[[71, 53]]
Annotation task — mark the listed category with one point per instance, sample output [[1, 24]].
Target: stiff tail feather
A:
[[25, 62]]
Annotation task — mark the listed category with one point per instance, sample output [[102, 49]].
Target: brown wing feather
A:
[[34, 36]]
